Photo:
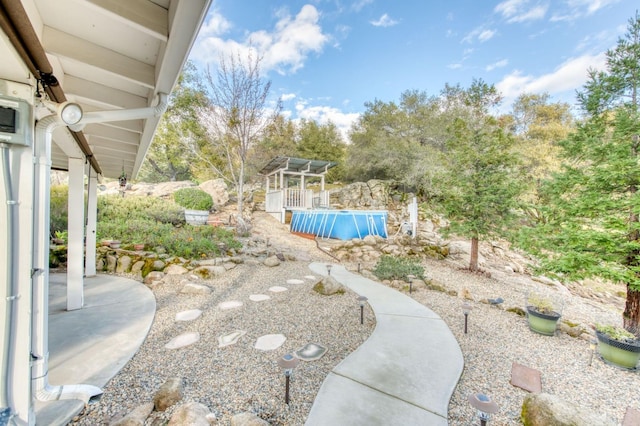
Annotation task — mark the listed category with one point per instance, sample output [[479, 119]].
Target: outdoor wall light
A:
[[361, 301], [466, 309], [70, 113], [411, 278], [485, 406], [329, 269], [288, 362]]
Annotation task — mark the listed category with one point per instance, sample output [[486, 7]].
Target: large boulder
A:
[[192, 414], [543, 409], [168, 394], [328, 286], [217, 188]]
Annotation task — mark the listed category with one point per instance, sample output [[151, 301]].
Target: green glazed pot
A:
[[620, 354], [542, 323]]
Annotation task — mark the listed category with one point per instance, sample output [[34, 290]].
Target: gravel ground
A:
[[241, 378]]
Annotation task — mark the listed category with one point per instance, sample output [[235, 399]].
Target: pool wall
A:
[[340, 224]]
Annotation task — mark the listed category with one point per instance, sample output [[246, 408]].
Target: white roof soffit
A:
[[115, 54]]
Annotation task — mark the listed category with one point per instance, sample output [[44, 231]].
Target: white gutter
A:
[[40, 279]]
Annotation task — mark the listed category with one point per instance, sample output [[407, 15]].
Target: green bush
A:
[[397, 268], [58, 208], [153, 221], [193, 199]]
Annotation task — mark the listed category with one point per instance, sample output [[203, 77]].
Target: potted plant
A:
[[138, 246], [114, 244], [542, 315], [197, 204], [618, 346]]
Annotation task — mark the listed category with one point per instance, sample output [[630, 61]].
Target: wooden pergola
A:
[[282, 173]]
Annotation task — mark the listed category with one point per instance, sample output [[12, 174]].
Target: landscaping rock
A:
[[136, 268], [137, 417], [175, 270], [247, 419], [111, 263], [153, 276], [271, 261], [124, 264], [193, 288], [328, 286], [217, 188], [168, 394], [544, 409], [192, 414], [207, 272], [158, 265]]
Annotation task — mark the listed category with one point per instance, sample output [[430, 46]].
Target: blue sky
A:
[[326, 58]]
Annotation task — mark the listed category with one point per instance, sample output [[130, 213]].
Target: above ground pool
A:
[[340, 224]]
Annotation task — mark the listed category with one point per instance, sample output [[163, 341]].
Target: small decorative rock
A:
[[542, 409], [295, 281], [188, 315], [247, 419], [136, 417], [192, 288], [192, 414], [270, 342], [183, 340], [277, 289], [311, 352], [271, 261], [231, 304], [168, 394], [328, 286], [231, 338], [158, 265], [175, 270], [153, 276], [207, 272], [259, 297]]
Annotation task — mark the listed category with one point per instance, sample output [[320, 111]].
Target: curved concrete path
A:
[[90, 345], [403, 374]]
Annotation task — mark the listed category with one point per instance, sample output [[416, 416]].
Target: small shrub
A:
[[616, 333], [397, 268], [540, 304], [58, 208], [193, 199]]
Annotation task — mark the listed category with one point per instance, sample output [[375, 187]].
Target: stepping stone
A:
[[526, 378], [259, 297], [231, 304], [193, 288], [188, 315], [277, 289], [295, 281], [231, 338], [310, 277], [311, 352], [269, 342], [631, 417], [183, 340]]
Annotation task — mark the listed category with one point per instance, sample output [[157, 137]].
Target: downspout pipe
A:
[[12, 296], [40, 281]]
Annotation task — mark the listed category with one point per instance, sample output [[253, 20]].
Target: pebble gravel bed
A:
[[239, 378]]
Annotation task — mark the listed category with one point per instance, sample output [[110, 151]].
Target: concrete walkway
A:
[[90, 345], [404, 374]]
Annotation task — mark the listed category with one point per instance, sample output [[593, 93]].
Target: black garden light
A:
[[410, 278], [329, 269], [485, 406], [466, 309], [288, 362], [361, 302]]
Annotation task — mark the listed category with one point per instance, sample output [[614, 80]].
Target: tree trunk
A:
[[241, 189], [473, 263], [631, 314]]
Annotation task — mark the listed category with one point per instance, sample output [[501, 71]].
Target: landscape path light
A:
[[361, 301], [485, 406], [466, 309], [411, 278], [329, 268], [288, 362]]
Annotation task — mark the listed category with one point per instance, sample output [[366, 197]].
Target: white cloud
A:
[[384, 21], [215, 25], [287, 96], [360, 4], [501, 63], [284, 49], [579, 8], [324, 114], [479, 34], [454, 66], [569, 76], [520, 11]]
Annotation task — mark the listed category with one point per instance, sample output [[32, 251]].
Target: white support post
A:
[[92, 213], [75, 247]]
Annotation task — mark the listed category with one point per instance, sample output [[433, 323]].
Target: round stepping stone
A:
[[311, 352], [231, 304], [295, 281], [231, 338], [310, 277], [269, 342], [183, 340], [277, 289], [259, 297], [188, 315]]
